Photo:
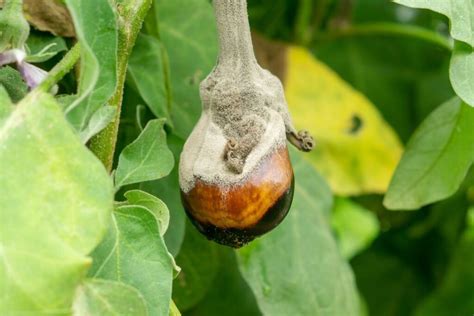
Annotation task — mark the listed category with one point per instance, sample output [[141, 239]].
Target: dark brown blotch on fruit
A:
[[234, 216]]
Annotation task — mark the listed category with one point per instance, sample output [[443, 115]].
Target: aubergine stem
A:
[[236, 54], [235, 41]]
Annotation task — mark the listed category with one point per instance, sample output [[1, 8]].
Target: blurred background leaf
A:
[[454, 296], [199, 261], [229, 293], [357, 151], [461, 28], [300, 256], [188, 32], [147, 73], [355, 227]]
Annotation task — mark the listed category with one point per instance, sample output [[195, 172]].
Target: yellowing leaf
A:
[[356, 151]]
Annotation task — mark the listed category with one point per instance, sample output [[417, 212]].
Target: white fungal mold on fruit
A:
[[242, 130]]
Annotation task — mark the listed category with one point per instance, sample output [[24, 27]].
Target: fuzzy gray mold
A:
[[245, 114]]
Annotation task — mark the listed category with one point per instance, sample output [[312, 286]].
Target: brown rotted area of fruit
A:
[[234, 216]]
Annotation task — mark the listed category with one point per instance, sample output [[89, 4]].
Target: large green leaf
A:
[[199, 262], [461, 16], [134, 253], [297, 269], [98, 37], [187, 29], [167, 189], [108, 298], [229, 294], [147, 73], [436, 159], [460, 12], [55, 203], [460, 71], [147, 158], [6, 105], [355, 226]]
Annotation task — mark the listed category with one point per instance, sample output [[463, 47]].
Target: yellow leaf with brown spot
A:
[[356, 151]]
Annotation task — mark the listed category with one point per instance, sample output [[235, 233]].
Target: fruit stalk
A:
[[233, 28]]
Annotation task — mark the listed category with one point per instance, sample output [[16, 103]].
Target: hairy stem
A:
[[132, 13], [61, 68]]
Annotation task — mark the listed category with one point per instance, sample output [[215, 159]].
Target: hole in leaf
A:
[[356, 124]]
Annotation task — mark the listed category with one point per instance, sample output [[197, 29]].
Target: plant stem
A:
[[132, 13], [370, 29], [303, 19], [235, 41], [61, 68]]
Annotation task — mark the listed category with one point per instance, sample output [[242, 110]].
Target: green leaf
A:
[[199, 262], [134, 253], [153, 204], [6, 106], [460, 71], [99, 120], [42, 47], [436, 159], [147, 73], [389, 285], [98, 37], [229, 294], [461, 16], [167, 190], [355, 226], [288, 268], [55, 204], [459, 12], [147, 158], [454, 295], [470, 216], [192, 47], [11, 80], [174, 311], [101, 297]]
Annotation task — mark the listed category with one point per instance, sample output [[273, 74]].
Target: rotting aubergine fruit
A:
[[235, 172]]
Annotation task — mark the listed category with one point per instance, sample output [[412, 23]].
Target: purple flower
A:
[[32, 75]]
